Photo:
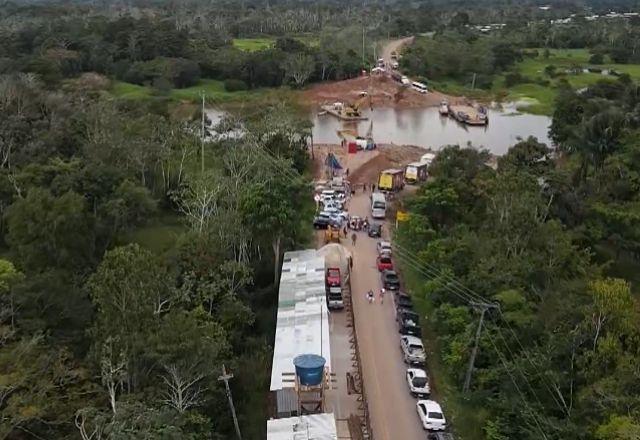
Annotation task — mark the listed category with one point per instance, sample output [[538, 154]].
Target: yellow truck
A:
[[415, 172], [391, 180]]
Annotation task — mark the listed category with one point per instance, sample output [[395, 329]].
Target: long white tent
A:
[[302, 324], [312, 427]]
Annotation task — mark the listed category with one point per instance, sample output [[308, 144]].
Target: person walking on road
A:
[[370, 297], [382, 292], [353, 239]]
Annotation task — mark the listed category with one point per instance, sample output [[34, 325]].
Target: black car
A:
[[375, 230], [321, 222], [390, 280], [408, 323], [439, 436], [403, 301]]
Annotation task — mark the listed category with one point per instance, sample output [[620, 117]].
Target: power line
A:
[[524, 400], [472, 294], [470, 300]]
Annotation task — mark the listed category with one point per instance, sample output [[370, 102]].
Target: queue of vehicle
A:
[[413, 351]]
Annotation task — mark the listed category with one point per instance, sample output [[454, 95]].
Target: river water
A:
[[425, 127]]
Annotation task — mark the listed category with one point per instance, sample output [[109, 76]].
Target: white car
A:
[[418, 382], [383, 247], [412, 350], [431, 415]]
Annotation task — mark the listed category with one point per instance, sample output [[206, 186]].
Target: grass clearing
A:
[[126, 90], [213, 89], [542, 96], [256, 44], [253, 44], [538, 94]]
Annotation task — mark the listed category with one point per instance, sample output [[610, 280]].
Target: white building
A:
[[302, 324]]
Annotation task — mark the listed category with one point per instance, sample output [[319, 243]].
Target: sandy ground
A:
[[382, 91], [365, 166]]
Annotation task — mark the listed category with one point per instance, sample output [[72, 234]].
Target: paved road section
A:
[[393, 412]]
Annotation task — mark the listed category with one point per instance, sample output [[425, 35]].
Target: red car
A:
[[333, 277], [384, 262]]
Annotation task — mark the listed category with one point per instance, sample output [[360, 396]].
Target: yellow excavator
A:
[[353, 110]]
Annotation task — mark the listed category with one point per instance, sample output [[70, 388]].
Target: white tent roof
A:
[[303, 322], [311, 427]]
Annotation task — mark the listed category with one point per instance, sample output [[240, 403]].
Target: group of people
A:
[[357, 223], [371, 297]]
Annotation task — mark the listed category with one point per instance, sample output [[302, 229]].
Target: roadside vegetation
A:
[[553, 241]]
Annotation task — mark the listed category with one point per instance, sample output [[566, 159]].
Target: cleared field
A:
[[253, 44], [537, 97], [214, 91], [126, 90]]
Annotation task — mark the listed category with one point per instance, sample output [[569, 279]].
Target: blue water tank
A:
[[309, 368]]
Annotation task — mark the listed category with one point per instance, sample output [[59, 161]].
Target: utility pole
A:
[[225, 378], [483, 307], [363, 42], [202, 139], [362, 17], [473, 82]]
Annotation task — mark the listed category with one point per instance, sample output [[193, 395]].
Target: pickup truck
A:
[[412, 350]]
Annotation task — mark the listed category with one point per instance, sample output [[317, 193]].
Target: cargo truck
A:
[[416, 172], [391, 180]]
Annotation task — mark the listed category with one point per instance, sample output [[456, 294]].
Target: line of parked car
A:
[[413, 351]]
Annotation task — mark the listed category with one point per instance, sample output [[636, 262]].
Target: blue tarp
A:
[[332, 162]]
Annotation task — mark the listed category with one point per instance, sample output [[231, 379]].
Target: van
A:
[[419, 87], [378, 205]]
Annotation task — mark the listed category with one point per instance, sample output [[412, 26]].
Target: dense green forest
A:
[[133, 263], [553, 239]]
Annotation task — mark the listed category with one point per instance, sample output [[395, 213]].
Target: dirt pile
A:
[[381, 91], [365, 166]]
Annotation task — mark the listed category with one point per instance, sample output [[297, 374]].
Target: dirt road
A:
[[394, 46], [392, 408]]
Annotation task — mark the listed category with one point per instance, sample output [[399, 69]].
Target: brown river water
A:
[[424, 127]]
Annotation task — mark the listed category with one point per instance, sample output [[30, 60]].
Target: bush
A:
[[550, 70], [596, 58], [543, 82], [484, 81], [177, 71], [513, 78], [234, 85]]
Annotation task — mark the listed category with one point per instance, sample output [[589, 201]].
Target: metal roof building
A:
[[311, 427], [302, 324]]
